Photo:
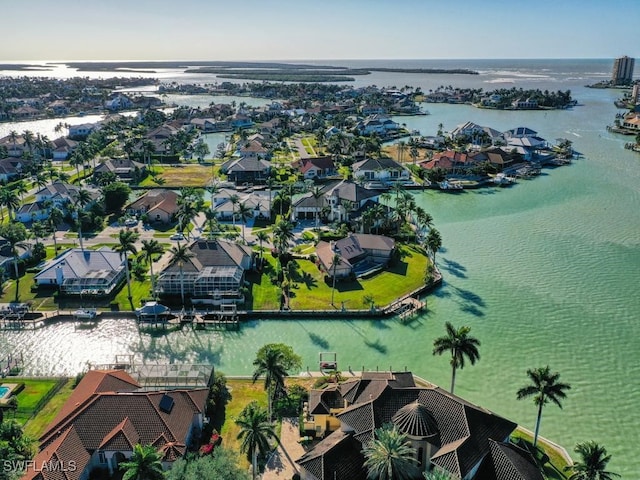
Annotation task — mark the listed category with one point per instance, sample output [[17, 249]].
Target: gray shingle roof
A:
[[76, 263]]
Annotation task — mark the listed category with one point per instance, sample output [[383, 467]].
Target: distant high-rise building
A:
[[622, 70]]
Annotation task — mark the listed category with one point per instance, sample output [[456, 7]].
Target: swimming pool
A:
[[6, 390]]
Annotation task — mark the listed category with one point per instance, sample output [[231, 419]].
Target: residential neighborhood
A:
[[307, 209]]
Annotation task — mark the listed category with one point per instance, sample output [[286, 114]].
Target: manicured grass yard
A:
[[311, 292], [37, 425], [244, 391], [554, 468], [30, 397], [189, 175]]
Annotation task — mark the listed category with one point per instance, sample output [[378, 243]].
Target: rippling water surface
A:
[[545, 272]]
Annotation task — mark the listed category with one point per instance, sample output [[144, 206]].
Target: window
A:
[[101, 457]]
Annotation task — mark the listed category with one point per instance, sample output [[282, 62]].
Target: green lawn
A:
[[311, 292], [29, 399], [554, 468], [184, 175], [263, 295], [37, 425], [244, 391]]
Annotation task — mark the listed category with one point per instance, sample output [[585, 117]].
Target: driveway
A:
[[282, 464]]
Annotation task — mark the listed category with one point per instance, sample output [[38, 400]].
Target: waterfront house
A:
[[526, 104], [246, 170], [631, 121], [159, 205], [340, 201], [118, 102], [252, 149], [106, 416], [15, 146], [63, 147], [381, 170], [450, 161], [124, 169], [358, 253], [82, 131], [83, 272], [378, 124], [477, 134], [214, 275], [447, 433], [240, 120]]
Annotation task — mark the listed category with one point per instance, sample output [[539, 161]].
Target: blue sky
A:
[[318, 29]]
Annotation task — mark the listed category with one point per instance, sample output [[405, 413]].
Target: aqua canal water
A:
[[545, 272]]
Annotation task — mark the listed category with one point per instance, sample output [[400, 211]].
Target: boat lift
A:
[[328, 362]]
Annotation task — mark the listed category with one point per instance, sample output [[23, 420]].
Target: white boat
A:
[[85, 314], [502, 179], [446, 185]]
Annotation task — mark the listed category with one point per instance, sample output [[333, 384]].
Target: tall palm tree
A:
[[282, 234], [434, 242], [262, 236], [81, 198], [126, 244], [9, 199], [244, 214], [255, 433], [461, 346], [544, 388], [390, 456], [16, 234], [335, 261], [145, 464], [271, 365], [55, 218], [180, 254], [316, 193], [148, 252], [592, 464]]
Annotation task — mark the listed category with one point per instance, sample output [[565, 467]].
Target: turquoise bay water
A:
[[544, 272]]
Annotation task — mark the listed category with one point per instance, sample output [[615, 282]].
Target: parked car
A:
[[177, 236]]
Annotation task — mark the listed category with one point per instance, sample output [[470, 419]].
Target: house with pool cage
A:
[[213, 275], [83, 272]]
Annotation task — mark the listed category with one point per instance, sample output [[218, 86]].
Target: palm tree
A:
[[145, 464], [282, 234], [335, 261], [255, 432], [544, 388], [55, 218], [235, 200], [434, 242], [316, 193], [181, 254], [81, 198], [262, 236], [592, 464], [126, 243], [272, 367], [460, 344], [151, 248], [15, 235], [9, 199], [245, 213], [390, 456]]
